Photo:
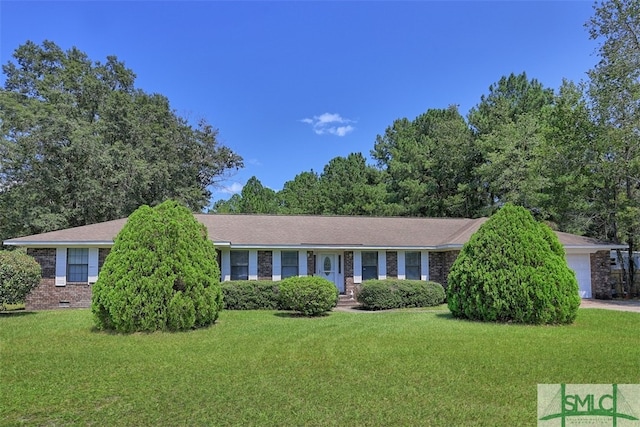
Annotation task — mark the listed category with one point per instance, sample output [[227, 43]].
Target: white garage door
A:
[[581, 264]]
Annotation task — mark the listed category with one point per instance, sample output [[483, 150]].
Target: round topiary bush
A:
[[310, 296], [513, 269], [19, 274], [161, 274], [393, 293]]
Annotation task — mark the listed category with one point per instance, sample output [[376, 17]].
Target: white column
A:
[[382, 265], [61, 266], [93, 265], [424, 265], [357, 267], [302, 264], [225, 268], [253, 264], [401, 266], [276, 266]]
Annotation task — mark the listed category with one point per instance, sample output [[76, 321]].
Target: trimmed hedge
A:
[[19, 274], [513, 269], [251, 295], [395, 293], [161, 274], [310, 296]]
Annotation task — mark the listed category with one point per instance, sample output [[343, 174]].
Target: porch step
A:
[[347, 301]]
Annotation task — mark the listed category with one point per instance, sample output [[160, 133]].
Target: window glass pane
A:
[[369, 258], [412, 272], [78, 265], [289, 272], [412, 259], [289, 258], [369, 273], [239, 272], [239, 258]]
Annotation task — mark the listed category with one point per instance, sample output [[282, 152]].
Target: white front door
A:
[[327, 266]]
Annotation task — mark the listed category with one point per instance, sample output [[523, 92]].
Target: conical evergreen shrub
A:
[[513, 269], [161, 274]]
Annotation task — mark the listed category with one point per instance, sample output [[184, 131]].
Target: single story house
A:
[[343, 249]]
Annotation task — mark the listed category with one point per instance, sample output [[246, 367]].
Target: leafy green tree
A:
[[513, 269], [19, 274], [615, 95], [509, 124], [302, 195], [256, 198], [429, 163], [79, 144], [161, 274]]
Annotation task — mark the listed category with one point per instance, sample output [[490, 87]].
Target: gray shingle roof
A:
[[305, 231]]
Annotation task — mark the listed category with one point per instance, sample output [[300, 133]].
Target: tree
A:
[[80, 144], [428, 165], [615, 96], [256, 198], [509, 124], [19, 274], [302, 195], [161, 274], [513, 269]]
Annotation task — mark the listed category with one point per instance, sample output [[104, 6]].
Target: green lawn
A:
[[411, 367]]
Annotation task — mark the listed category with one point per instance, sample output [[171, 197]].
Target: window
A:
[[289, 264], [239, 265], [412, 265], [369, 265], [78, 265]]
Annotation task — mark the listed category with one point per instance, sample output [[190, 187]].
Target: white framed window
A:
[[78, 265], [239, 265], [289, 264], [369, 265], [412, 264]]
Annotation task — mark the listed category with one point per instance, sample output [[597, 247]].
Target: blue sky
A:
[[291, 85]]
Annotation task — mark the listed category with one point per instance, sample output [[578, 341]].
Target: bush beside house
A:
[[310, 296], [161, 274], [19, 274], [513, 269], [251, 295], [392, 293]]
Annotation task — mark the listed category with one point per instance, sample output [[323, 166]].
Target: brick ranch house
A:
[[343, 249]]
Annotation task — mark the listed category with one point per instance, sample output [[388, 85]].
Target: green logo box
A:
[[593, 405]]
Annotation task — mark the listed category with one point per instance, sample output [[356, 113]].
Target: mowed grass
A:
[[404, 368]]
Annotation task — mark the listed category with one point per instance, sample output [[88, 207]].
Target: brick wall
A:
[[349, 286], [311, 265], [265, 265], [102, 256], [392, 265], [439, 265], [46, 257], [601, 274]]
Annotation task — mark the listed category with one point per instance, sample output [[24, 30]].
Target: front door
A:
[[327, 266]]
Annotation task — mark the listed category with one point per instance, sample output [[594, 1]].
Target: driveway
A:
[[620, 305]]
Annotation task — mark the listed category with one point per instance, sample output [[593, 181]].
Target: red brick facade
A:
[[439, 265], [265, 265], [601, 275], [392, 264]]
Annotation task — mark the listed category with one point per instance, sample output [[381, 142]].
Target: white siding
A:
[[401, 265], [382, 265], [302, 264], [61, 266], [276, 265], [93, 265], [253, 265], [424, 265], [581, 264], [225, 268], [357, 267]]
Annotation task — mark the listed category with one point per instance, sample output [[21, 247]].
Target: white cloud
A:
[[234, 188], [327, 123]]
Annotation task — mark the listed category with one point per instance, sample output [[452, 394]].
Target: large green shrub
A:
[[394, 293], [310, 296], [19, 274], [513, 269], [251, 295], [161, 274]]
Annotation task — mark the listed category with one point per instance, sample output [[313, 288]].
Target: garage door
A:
[[581, 264]]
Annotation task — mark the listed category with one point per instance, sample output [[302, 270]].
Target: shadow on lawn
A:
[[296, 315], [16, 313]]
